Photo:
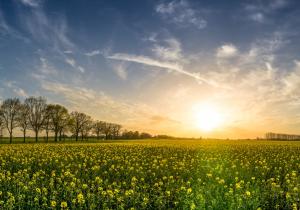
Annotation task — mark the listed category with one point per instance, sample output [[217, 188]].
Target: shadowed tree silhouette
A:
[[98, 128], [58, 116], [37, 113], [77, 121], [23, 120], [9, 111]]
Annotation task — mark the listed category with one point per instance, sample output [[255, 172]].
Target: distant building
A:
[[281, 136]]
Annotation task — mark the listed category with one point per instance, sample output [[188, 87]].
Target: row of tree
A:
[[281, 136], [36, 115]]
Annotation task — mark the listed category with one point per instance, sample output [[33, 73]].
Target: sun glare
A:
[[208, 118]]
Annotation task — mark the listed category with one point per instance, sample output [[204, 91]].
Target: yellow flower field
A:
[[151, 174]]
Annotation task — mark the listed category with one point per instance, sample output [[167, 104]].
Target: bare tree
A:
[[23, 121], [64, 127], [9, 112], [98, 128], [115, 130], [64, 122], [1, 125], [86, 128], [107, 130], [58, 115], [47, 123], [37, 112], [77, 121]]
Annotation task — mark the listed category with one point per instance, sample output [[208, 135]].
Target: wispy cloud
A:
[[68, 51], [46, 68], [259, 10], [257, 84], [81, 69], [227, 51], [16, 90], [7, 30], [73, 63], [258, 17], [181, 13], [104, 107], [4, 28], [175, 67], [31, 3], [170, 52], [93, 53], [120, 70], [52, 32]]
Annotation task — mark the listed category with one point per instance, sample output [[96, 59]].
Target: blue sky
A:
[[150, 65]]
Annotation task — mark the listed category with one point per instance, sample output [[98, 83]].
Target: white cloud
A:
[[45, 68], [151, 38], [68, 52], [227, 51], [50, 32], [71, 62], [120, 70], [81, 69], [31, 3], [103, 106], [181, 13], [21, 92], [292, 81], [263, 50], [258, 17], [170, 52], [172, 66], [92, 53], [144, 60], [259, 10], [12, 85]]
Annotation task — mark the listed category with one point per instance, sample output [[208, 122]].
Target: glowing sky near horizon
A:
[[151, 65]]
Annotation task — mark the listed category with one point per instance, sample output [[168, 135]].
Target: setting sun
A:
[[208, 118]]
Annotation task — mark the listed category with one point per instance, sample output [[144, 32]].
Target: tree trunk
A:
[[76, 137], [47, 135], [36, 136], [56, 134], [10, 137], [60, 135], [24, 136]]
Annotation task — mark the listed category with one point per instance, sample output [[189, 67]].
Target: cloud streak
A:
[[72, 63], [175, 67], [52, 32], [93, 53], [31, 3], [16, 90]]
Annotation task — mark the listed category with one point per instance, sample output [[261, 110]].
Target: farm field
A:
[[151, 174]]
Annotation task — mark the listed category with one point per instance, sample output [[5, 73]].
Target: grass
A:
[[150, 174]]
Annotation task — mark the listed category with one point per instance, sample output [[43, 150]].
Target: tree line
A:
[[36, 115], [281, 136]]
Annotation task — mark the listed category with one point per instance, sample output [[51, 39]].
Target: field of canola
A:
[[153, 174]]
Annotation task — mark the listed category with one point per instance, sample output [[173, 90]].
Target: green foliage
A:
[[151, 174]]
